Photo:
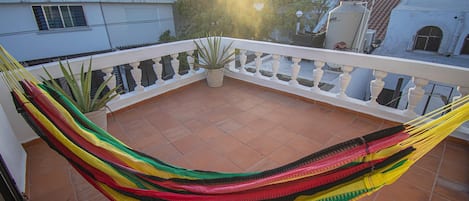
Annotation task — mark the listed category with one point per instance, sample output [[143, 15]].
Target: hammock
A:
[[346, 171]]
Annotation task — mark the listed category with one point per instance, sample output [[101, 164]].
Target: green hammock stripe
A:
[[400, 163]]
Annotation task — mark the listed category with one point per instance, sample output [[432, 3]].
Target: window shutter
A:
[[40, 18]]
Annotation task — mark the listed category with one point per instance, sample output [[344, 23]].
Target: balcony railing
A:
[[262, 63]]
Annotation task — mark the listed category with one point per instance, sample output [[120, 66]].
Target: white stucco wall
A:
[[131, 23], [452, 17], [134, 24], [12, 152], [21, 37]]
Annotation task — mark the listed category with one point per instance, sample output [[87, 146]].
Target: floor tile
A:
[[264, 145], [402, 190], [284, 155], [245, 134], [452, 190], [188, 143], [229, 125], [244, 157]]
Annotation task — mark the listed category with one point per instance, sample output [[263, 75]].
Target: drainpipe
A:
[[105, 26], [363, 27], [457, 34]]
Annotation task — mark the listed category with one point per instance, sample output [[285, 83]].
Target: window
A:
[[58, 17], [465, 46], [428, 39]]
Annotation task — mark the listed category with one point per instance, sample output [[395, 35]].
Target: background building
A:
[[51, 28], [435, 31], [426, 30]]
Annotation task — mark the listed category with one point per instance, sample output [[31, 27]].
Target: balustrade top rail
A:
[[432, 71], [120, 57]]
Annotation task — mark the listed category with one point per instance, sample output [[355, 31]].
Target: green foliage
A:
[[166, 37], [239, 19], [212, 55], [81, 95]]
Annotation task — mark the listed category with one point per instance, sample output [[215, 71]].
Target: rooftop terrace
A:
[[243, 127], [259, 119]]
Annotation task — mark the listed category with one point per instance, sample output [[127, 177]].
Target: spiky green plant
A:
[[212, 54], [81, 95]]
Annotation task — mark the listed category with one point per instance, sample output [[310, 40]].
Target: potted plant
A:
[[213, 57], [91, 105]]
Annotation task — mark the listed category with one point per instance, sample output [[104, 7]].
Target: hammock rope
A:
[[346, 171]]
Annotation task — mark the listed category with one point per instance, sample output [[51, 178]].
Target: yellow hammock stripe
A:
[[114, 194]]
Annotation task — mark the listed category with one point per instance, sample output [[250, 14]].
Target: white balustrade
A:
[[158, 68], [190, 61], [376, 86], [415, 95], [317, 74], [112, 82], [295, 69], [258, 64], [242, 61], [175, 65], [422, 71], [137, 75], [275, 66], [344, 78]]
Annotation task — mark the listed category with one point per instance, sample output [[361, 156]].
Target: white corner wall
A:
[[12, 152], [136, 24], [410, 16], [21, 37]]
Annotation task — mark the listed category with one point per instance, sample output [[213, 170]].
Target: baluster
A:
[[415, 95], [275, 66], [258, 63], [242, 60], [112, 82], [462, 92], [295, 70], [158, 68], [376, 86], [344, 78], [190, 61], [137, 74], [175, 65], [317, 75], [231, 65]]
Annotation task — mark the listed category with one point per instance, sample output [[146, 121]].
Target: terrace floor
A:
[[243, 127]]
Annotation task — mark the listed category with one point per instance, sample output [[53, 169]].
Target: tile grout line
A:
[[437, 172], [75, 192]]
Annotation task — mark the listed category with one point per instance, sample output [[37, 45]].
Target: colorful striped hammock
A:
[[345, 171]]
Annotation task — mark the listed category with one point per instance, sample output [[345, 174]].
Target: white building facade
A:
[[39, 29], [427, 30], [430, 30]]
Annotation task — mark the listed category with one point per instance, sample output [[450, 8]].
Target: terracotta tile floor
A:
[[242, 127]]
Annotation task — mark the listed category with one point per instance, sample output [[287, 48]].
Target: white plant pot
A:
[[215, 77], [98, 117]]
